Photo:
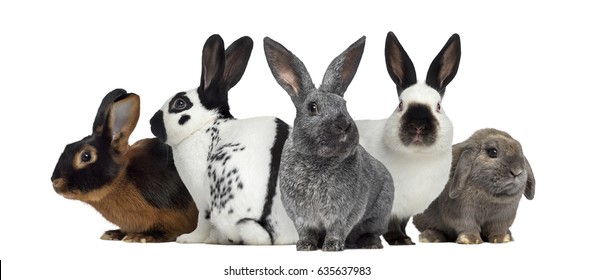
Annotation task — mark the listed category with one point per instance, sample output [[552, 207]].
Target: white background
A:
[[526, 68]]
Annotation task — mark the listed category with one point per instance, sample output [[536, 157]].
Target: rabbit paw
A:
[[332, 245], [431, 236], [394, 238], [307, 245], [192, 237], [115, 234], [147, 237], [500, 238], [369, 241], [469, 238]]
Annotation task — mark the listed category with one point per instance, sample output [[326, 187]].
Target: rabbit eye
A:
[[401, 105], [438, 107], [179, 104], [312, 107], [85, 157], [492, 152]]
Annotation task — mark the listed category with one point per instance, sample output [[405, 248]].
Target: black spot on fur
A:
[[207, 214], [214, 99], [418, 125], [158, 127], [184, 119]]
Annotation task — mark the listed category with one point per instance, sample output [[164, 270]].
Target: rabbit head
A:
[[419, 123], [493, 161], [322, 126], [86, 168], [190, 111]]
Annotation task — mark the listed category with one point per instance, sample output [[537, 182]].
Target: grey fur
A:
[[482, 196], [335, 192]]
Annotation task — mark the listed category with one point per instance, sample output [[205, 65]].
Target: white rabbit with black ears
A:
[[335, 192], [230, 166], [415, 142]]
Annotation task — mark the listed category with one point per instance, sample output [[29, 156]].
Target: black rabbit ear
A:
[[213, 63], [400, 67], [106, 103], [445, 65], [530, 183], [288, 70], [342, 69], [462, 159], [122, 118], [237, 56]]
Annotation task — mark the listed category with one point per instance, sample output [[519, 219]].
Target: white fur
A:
[[419, 173], [192, 145]]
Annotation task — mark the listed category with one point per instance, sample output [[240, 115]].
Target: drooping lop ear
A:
[[400, 67], [445, 65], [122, 118], [530, 183], [462, 159], [288, 70], [342, 69], [106, 103], [213, 63], [237, 56]]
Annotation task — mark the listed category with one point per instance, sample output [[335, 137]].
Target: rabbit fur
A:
[[336, 193], [415, 141], [135, 187], [230, 166], [488, 177]]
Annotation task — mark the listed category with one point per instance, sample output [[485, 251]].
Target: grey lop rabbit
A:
[[488, 177], [335, 192]]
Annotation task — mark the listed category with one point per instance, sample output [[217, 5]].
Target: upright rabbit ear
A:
[[400, 67], [531, 183], [122, 118], [445, 65], [462, 159], [288, 70], [106, 103], [237, 56], [342, 69], [213, 63]]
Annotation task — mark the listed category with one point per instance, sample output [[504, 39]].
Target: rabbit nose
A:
[[342, 123], [58, 184], [516, 172], [418, 127]]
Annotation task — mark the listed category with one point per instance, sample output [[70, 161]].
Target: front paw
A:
[[192, 237], [307, 245], [431, 236], [369, 241], [500, 238], [333, 245], [397, 239], [115, 234], [469, 238]]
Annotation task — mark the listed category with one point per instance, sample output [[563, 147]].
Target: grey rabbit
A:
[[335, 192], [488, 177]]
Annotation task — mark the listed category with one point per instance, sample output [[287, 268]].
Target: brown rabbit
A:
[[135, 187], [488, 176]]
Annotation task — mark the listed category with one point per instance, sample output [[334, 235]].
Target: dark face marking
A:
[[183, 119], [158, 126], [418, 126], [179, 103]]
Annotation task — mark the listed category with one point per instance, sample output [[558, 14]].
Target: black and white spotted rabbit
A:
[[335, 192], [488, 177], [230, 166], [415, 142], [135, 187]]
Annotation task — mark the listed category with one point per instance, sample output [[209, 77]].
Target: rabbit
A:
[[415, 142], [337, 195], [488, 176], [230, 166], [135, 187]]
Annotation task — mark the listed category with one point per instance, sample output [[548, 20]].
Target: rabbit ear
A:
[[462, 158], [122, 118], [213, 63], [400, 67], [106, 103], [237, 56], [445, 65], [530, 184], [342, 69], [288, 70]]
